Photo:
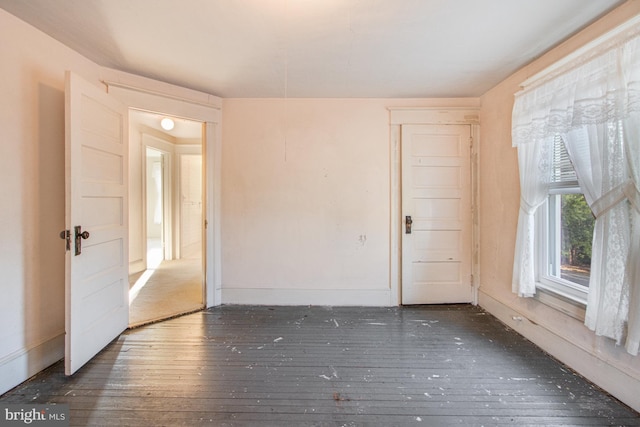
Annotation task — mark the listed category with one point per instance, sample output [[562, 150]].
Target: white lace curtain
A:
[[595, 106]]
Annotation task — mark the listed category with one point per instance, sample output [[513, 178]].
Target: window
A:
[[590, 100], [565, 232]]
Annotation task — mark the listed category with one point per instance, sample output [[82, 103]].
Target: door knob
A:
[[79, 235], [407, 224]]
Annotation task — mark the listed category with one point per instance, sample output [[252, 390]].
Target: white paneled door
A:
[[97, 308], [436, 214]]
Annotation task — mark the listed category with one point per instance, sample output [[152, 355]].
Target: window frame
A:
[[545, 280]]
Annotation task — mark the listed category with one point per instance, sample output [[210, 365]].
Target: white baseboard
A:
[[333, 297], [606, 376], [21, 365]]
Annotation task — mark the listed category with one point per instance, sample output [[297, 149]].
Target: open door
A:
[[96, 292]]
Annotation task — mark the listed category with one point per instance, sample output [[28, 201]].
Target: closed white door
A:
[[436, 211], [97, 306]]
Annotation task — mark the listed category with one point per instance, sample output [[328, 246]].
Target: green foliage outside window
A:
[[577, 231]]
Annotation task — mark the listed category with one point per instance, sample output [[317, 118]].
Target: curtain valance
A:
[[599, 89]]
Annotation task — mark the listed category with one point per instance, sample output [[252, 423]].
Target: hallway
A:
[[166, 289]]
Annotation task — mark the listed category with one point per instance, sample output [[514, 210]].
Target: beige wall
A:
[[562, 335], [32, 71], [306, 200]]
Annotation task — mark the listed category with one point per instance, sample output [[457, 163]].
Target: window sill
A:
[[567, 304]]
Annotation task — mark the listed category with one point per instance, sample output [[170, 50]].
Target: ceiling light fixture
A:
[[167, 123]]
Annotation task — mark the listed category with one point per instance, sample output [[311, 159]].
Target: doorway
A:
[[155, 206], [401, 119], [166, 218]]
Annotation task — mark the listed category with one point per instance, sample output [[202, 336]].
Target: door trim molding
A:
[[117, 78], [158, 97], [168, 191], [399, 116]]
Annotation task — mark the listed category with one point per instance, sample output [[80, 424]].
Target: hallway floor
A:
[[171, 288]]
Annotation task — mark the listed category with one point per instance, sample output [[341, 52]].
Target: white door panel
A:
[[96, 309], [436, 194], [438, 272]]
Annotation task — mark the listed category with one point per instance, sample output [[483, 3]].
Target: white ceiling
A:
[[315, 48]]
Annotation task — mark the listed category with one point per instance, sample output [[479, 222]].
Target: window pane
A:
[[576, 224]]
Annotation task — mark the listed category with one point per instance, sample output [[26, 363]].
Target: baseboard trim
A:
[[333, 297], [22, 364], [606, 376]]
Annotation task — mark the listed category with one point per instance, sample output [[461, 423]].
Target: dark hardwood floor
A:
[[340, 366]]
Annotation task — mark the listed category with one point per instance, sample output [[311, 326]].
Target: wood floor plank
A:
[[237, 365]]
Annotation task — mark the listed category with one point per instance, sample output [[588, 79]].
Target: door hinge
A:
[[471, 279], [206, 224], [470, 142]]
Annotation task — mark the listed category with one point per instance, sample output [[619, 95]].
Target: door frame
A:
[[430, 116], [150, 95], [167, 202]]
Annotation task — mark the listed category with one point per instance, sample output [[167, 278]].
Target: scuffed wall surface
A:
[[305, 200]]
